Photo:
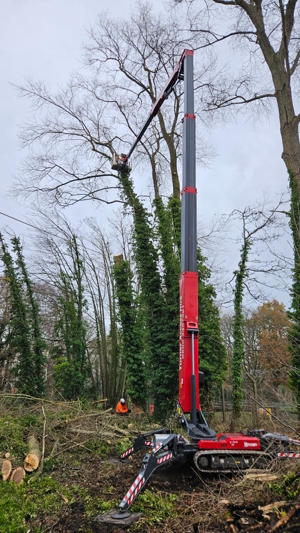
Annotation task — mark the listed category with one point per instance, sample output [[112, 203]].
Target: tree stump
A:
[[32, 459], [18, 475], [6, 469]]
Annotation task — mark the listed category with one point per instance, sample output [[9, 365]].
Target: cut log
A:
[[32, 459], [6, 469], [18, 475]]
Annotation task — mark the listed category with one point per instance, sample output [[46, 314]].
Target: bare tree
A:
[[269, 33], [106, 370], [259, 225], [108, 361], [74, 132], [266, 361]]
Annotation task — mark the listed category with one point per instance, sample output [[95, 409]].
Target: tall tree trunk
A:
[[238, 339]]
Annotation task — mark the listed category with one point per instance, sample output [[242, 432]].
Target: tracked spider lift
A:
[[210, 452]]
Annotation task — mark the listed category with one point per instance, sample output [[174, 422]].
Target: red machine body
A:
[[233, 441]]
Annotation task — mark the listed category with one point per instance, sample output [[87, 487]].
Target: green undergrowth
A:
[[122, 445], [65, 481], [156, 506], [41, 501], [27, 506], [68, 480], [13, 434], [22, 504], [94, 505], [288, 487]]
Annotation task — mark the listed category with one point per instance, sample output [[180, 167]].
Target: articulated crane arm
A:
[[122, 163], [176, 75]]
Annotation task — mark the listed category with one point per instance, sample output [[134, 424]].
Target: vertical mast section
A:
[[188, 341]]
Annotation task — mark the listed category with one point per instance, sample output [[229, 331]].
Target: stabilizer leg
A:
[[150, 463], [159, 457]]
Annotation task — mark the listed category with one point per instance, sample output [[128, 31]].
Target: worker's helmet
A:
[[122, 401]]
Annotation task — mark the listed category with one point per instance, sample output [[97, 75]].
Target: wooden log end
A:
[[18, 475], [31, 462], [6, 469]]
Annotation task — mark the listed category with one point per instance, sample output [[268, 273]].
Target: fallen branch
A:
[[271, 506], [22, 396], [71, 447], [71, 420], [84, 431], [284, 520], [122, 431], [98, 434], [262, 476], [62, 497], [53, 451], [253, 528]]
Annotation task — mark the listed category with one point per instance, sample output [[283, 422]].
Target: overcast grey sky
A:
[[42, 39]]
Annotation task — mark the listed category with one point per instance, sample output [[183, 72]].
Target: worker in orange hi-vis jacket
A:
[[122, 408]]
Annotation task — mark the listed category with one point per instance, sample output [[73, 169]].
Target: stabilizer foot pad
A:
[[117, 518]]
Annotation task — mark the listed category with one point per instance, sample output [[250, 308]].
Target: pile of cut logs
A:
[[31, 463]]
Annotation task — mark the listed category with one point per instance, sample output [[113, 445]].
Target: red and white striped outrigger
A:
[[291, 455]]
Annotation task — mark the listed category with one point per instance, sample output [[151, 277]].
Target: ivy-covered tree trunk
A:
[[294, 333], [114, 351], [132, 337], [38, 343], [24, 335], [70, 352], [163, 357], [238, 349], [212, 352], [168, 228]]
